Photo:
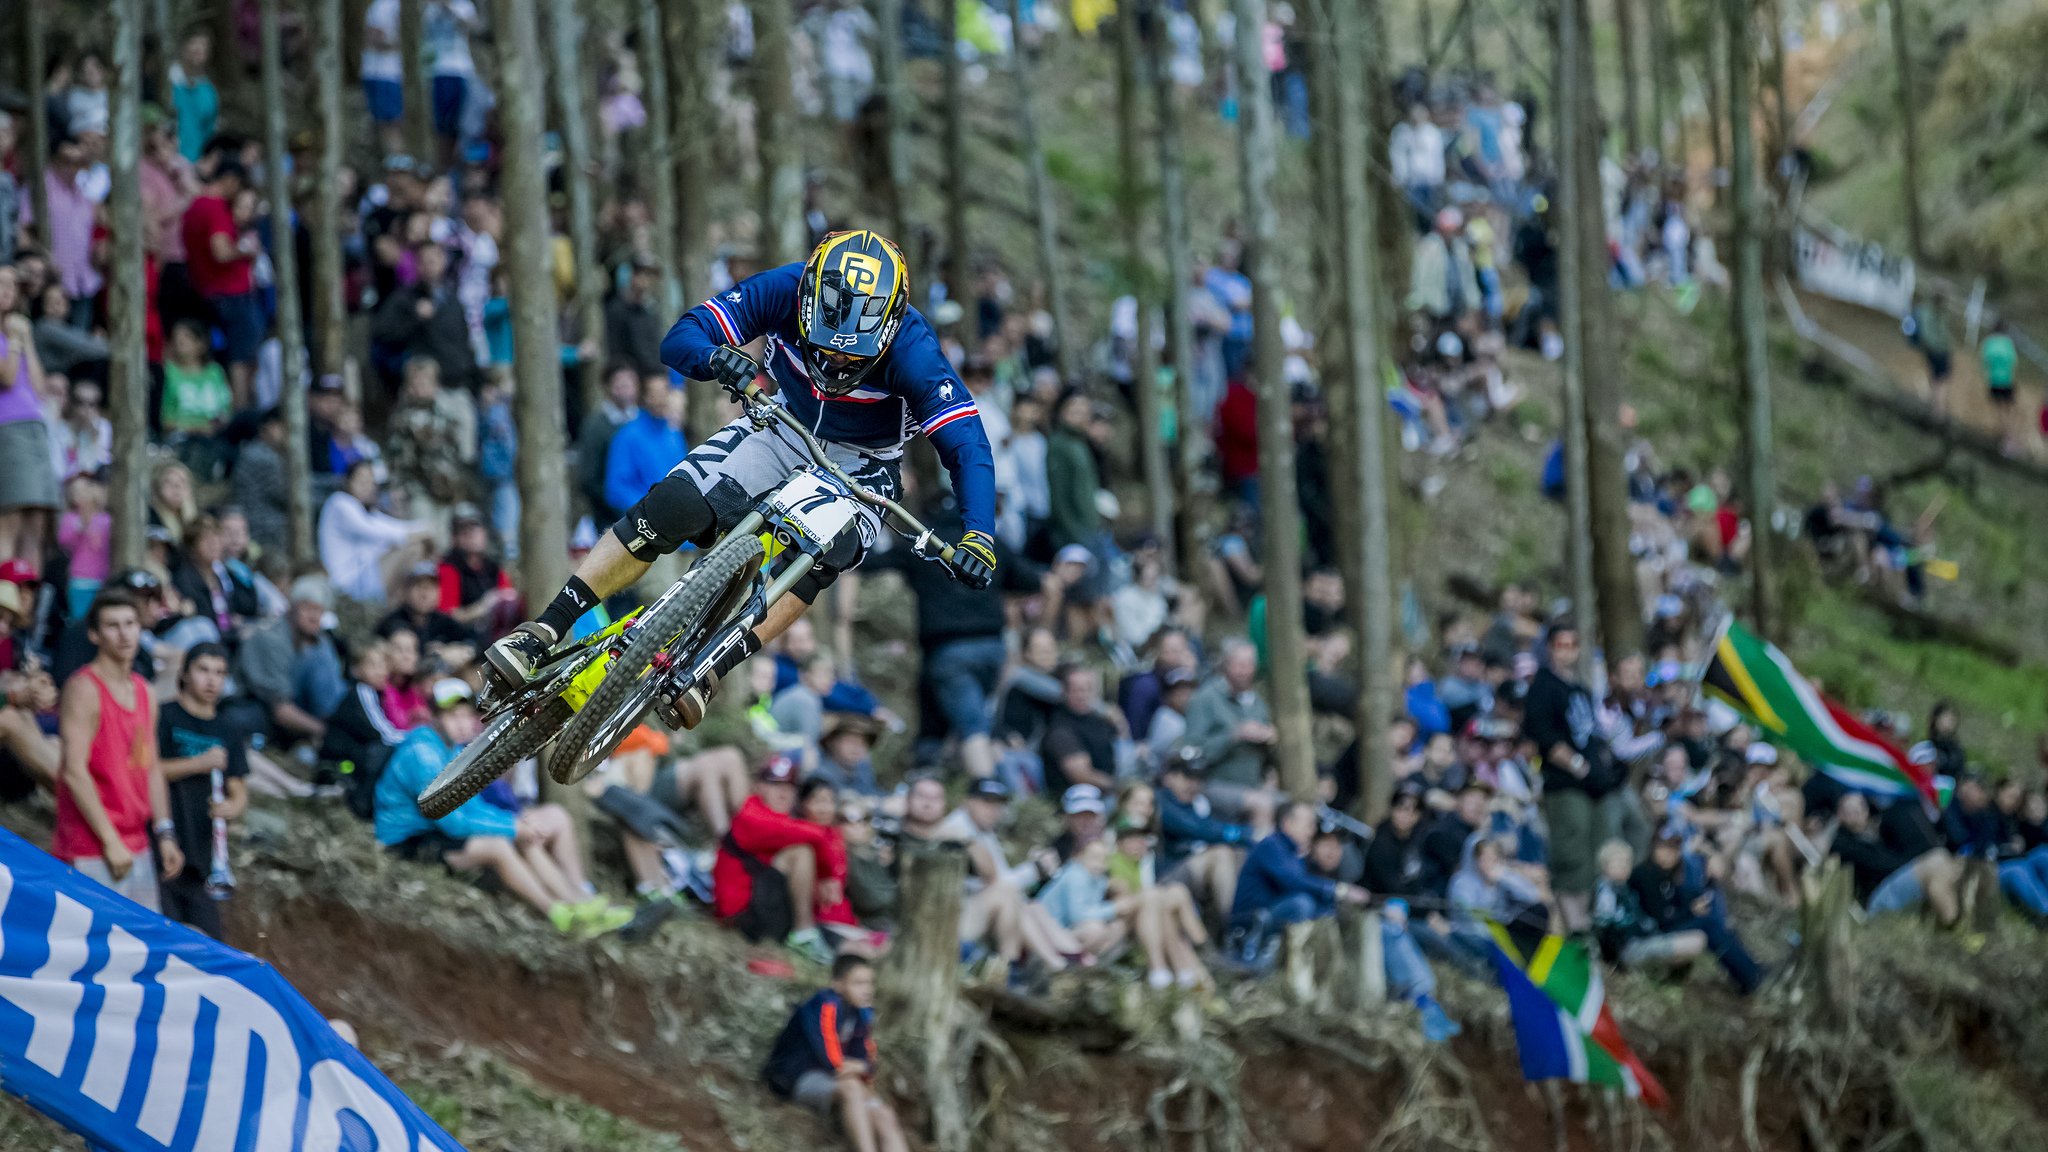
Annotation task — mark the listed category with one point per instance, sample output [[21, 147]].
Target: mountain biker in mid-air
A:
[[860, 368]]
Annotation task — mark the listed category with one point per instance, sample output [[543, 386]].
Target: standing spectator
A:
[[447, 25], [1927, 327], [424, 443], [424, 318], [633, 324], [775, 869], [202, 753], [1083, 737], [1443, 283], [192, 95], [384, 75], [1415, 150], [260, 485], [1578, 772], [1071, 475], [28, 484], [72, 218], [824, 1059], [1233, 289], [618, 407], [643, 451], [362, 548], [112, 799], [1229, 723], [534, 853], [2001, 358], [1276, 889], [219, 257], [86, 534], [197, 401]]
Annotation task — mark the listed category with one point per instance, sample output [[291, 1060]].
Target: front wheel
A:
[[714, 590], [510, 737]]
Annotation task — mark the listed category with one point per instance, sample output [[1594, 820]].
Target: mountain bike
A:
[[590, 694]]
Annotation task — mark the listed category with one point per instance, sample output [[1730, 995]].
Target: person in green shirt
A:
[[1071, 474], [197, 401], [2001, 358]]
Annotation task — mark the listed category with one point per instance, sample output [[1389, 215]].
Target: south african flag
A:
[[1563, 1028], [1758, 681]]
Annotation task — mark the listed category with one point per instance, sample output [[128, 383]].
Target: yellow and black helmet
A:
[[855, 290]]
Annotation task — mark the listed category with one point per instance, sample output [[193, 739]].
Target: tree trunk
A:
[[1663, 79], [1280, 511], [164, 31], [1909, 129], [330, 310], [284, 261], [1752, 358], [953, 98], [578, 167], [1357, 215], [537, 388], [417, 92], [1131, 194], [1614, 568], [1631, 100], [128, 374], [919, 991], [688, 32], [1044, 213], [660, 151], [1781, 100], [890, 84], [780, 198], [1180, 326], [1716, 103], [1572, 49], [34, 54]]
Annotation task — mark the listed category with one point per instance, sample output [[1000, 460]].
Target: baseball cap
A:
[[18, 572], [989, 788], [1177, 677], [10, 599], [465, 513], [1129, 825], [1761, 753], [1073, 554], [138, 581], [1187, 759], [449, 691], [777, 769], [1082, 798]]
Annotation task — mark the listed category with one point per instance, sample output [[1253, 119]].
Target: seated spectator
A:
[[799, 709], [1140, 693], [1133, 871], [1674, 890], [775, 869], [1229, 723], [260, 485], [998, 902], [1169, 724], [1486, 889], [1891, 877], [870, 864], [1077, 898], [824, 1059], [197, 402], [817, 801], [1976, 829], [845, 755], [28, 755], [290, 667], [203, 757], [1277, 889], [362, 549], [798, 645], [1196, 849], [217, 593], [441, 638], [359, 739], [405, 692], [475, 589], [1083, 816], [1628, 936], [533, 854], [1085, 738], [1031, 694]]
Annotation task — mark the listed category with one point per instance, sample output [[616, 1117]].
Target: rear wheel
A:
[[510, 737], [713, 591]]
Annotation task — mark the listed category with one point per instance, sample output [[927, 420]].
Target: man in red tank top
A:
[[112, 799]]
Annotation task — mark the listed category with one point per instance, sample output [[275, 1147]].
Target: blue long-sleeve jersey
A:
[[913, 390]]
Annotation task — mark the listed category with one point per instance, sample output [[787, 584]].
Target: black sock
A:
[[568, 606]]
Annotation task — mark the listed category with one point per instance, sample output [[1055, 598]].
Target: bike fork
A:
[[731, 646]]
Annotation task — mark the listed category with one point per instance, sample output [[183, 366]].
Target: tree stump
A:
[[919, 989], [1824, 971]]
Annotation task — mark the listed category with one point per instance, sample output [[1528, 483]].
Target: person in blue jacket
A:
[[480, 835], [1276, 887], [1196, 850], [645, 448], [860, 369], [825, 1058]]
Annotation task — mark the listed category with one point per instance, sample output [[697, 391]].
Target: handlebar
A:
[[761, 407]]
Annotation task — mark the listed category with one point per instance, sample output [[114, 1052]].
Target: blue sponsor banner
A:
[[142, 1035]]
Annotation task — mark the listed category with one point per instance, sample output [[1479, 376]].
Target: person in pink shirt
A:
[[86, 534], [71, 222]]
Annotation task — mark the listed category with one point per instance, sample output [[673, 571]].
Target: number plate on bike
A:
[[816, 507]]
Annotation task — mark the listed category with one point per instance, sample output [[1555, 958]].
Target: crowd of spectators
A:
[[1097, 679]]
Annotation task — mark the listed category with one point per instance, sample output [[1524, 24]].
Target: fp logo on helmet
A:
[[861, 270]]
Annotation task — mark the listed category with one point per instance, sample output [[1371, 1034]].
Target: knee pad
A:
[[672, 513]]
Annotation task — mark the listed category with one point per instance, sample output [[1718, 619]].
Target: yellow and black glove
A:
[[974, 560]]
